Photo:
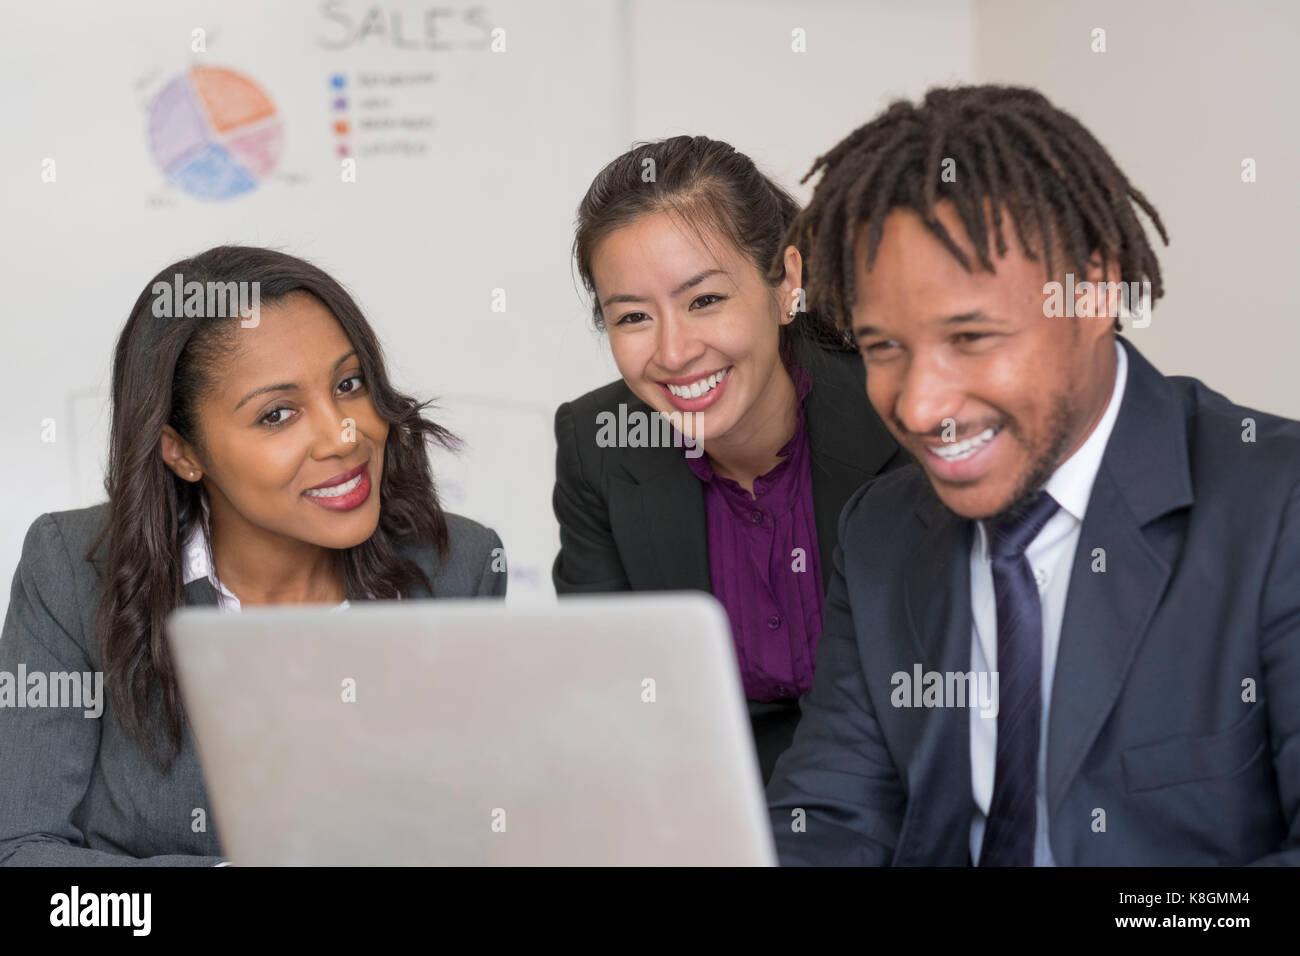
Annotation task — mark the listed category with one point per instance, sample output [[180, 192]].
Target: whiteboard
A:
[[469, 164]]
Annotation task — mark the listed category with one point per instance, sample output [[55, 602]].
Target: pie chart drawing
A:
[[215, 133]]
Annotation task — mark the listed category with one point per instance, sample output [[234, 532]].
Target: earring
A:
[[791, 313]]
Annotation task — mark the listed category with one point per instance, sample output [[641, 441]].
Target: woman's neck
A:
[[275, 570], [752, 448]]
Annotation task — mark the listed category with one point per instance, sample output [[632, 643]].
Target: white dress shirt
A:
[[199, 564], [1051, 556]]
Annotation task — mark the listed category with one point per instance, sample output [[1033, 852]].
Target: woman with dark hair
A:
[[681, 244], [255, 457]]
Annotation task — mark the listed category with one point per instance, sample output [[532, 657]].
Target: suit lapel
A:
[[1106, 615], [936, 585], [936, 589], [1143, 475], [662, 512], [674, 524], [200, 592]]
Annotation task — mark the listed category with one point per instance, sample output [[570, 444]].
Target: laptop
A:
[[597, 730]]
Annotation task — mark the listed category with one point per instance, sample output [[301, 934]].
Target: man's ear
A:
[[1106, 293], [793, 299]]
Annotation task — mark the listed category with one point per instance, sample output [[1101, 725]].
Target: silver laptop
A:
[[598, 730]]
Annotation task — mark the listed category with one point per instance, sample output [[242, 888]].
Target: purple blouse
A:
[[765, 566]]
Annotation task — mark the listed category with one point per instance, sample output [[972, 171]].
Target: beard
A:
[[1061, 424]]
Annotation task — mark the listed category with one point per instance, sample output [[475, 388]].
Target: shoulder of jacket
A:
[[1219, 428], [469, 545], [585, 408], [74, 529], [887, 497]]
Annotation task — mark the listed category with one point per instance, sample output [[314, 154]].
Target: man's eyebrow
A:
[[286, 386], [692, 281], [863, 331], [976, 316]]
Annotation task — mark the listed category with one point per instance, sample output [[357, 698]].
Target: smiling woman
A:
[[268, 461], [680, 243]]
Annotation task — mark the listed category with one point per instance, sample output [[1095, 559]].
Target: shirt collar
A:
[[198, 561], [1071, 483]]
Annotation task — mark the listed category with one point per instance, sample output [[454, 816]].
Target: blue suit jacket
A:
[[1174, 731]]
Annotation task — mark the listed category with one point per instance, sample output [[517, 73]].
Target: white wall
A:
[[422, 242], [725, 69], [1184, 92], [422, 239]]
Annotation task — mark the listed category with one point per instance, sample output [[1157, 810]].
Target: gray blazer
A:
[[76, 791], [1176, 698]]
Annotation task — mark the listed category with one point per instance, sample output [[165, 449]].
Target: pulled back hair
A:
[[162, 369], [714, 188], [1011, 146]]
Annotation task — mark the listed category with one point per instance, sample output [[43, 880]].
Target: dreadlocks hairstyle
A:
[[1013, 148]]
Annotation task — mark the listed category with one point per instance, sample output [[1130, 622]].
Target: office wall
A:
[[452, 230], [1184, 92], [727, 69], [479, 197]]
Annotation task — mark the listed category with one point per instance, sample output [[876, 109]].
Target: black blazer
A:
[[632, 519]]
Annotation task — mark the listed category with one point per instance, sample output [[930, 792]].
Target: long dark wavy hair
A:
[[708, 184], [162, 368]]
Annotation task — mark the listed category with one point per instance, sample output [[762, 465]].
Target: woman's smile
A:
[[694, 394], [343, 492]]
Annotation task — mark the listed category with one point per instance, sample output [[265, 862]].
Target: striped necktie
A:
[[1011, 825]]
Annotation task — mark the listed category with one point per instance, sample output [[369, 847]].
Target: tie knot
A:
[[1010, 534]]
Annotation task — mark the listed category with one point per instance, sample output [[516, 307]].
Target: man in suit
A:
[[1072, 635]]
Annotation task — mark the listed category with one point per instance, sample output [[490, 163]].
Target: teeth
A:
[[337, 490], [964, 449], [702, 387]]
